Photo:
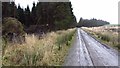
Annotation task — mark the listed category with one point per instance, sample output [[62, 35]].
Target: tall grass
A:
[[64, 39], [107, 37], [37, 52]]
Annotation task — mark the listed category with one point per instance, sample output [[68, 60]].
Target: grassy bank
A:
[[50, 50], [105, 36]]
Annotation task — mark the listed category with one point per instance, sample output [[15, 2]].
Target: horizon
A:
[[110, 13]]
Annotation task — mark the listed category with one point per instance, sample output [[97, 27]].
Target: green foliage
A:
[[91, 23], [61, 24], [32, 58], [21, 15], [49, 15], [64, 39], [64, 17]]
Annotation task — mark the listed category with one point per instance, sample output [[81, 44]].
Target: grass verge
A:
[[48, 51], [106, 37]]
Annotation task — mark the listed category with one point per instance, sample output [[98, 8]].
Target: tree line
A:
[[42, 18], [46, 16], [91, 23]]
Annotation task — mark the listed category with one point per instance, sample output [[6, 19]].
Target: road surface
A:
[[86, 51]]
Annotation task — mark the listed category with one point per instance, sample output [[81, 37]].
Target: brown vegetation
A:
[[45, 51], [107, 34]]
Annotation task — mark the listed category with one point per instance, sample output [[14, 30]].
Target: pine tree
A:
[[9, 9], [33, 14], [21, 15], [27, 17]]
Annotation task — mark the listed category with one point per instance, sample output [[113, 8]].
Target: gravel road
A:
[[86, 51]]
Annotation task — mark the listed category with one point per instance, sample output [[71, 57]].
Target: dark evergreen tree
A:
[[21, 15], [46, 15], [33, 14], [13, 10], [91, 23], [64, 17], [9, 9], [27, 17]]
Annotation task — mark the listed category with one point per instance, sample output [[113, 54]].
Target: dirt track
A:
[[86, 51]]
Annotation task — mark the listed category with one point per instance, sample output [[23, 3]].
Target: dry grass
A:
[[0, 46], [37, 52], [106, 35]]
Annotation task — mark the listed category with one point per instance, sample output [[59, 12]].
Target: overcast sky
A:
[[100, 9]]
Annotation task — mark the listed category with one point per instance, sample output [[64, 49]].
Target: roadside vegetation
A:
[[50, 50], [38, 36], [107, 35]]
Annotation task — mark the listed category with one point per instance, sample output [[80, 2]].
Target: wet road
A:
[[86, 51]]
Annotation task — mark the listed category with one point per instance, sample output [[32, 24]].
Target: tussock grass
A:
[[108, 37], [49, 50]]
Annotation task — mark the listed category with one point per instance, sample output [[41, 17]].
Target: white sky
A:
[[24, 3], [100, 9]]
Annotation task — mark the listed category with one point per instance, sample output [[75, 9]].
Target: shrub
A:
[[12, 28], [12, 25]]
